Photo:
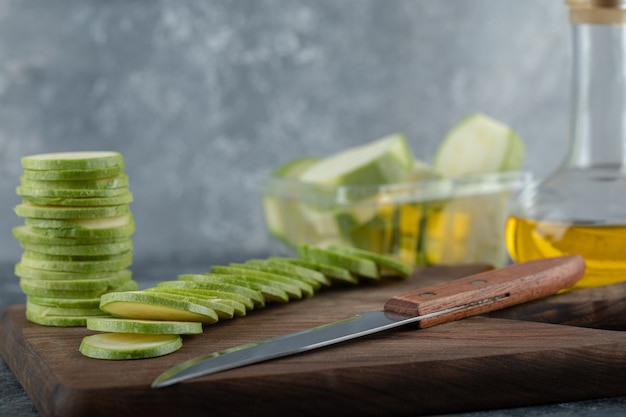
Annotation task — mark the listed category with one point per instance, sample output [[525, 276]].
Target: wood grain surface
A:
[[471, 364]]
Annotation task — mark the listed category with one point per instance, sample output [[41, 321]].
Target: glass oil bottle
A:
[[581, 207]]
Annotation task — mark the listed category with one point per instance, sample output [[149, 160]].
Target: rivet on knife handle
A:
[[491, 290], [454, 300]]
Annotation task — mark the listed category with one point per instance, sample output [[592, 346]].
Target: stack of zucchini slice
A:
[[76, 234]]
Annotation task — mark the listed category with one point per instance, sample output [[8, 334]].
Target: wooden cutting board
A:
[[517, 357]]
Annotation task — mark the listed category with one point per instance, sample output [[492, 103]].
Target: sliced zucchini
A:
[[116, 182], [332, 272], [47, 311], [123, 346], [73, 160], [31, 235], [58, 321], [75, 193], [292, 290], [98, 228], [91, 284], [98, 249], [216, 285], [64, 213], [382, 161], [223, 310], [227, 307], [117, 325], [486, 145], [305, 288], [71, 258], [146, 305], [130, 285], [238, 299], [71, 174], [125, 198], [270, 293], [24, 271], [30, 289], [114, 263], [287, 270], [358, 266], [281, 264], [384, 262], [69, 303]]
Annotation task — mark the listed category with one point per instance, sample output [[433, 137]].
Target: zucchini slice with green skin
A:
[[38, 291], [111, 183], [95, 284], [124, 346], [47, 311], [73, 160], [278, 264], [83, 233], [223, 310], [244, 290], [146, 305], [487, 145], [269, 293], [64, 213], [358, 266], [384, 262], [29, 234], [117, 325], [71, 174], [386, 160], [27, 272], [239, 299], [125, 198], [238, 307], [130, 285], [291, 290], [332, 272], [289, 271], [87, 303], [27, 191], [58, 321], [304, 287], [72, 258], [31, 260], [96, 228], [98, 249]]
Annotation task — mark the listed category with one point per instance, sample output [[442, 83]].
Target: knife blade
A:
[[426, 307]]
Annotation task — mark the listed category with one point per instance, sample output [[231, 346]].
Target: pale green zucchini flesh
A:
[[125, 346]]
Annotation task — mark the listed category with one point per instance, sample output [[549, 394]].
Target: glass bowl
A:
[[449, 221]]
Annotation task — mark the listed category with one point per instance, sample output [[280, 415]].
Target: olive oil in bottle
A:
[[581, 208], [602, 245]]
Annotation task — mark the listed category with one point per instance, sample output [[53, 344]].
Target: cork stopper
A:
[[600, 12]]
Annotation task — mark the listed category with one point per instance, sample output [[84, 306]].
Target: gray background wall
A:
[[204, 98]]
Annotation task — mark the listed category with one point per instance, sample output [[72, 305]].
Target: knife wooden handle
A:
[[491, 290]]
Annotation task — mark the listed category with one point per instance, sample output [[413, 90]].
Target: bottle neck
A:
[[598, 113]]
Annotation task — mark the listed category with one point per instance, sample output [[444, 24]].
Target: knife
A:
[[454, 300]]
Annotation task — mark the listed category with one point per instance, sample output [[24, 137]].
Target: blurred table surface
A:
[[14, 401]]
